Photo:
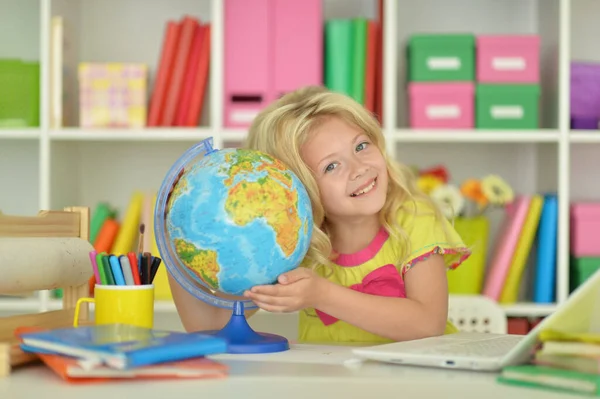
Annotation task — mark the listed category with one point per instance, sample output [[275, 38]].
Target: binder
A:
[[246, 37], [297, 45], [271, 47]]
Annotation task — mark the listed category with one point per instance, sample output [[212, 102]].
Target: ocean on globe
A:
[[238, 218]]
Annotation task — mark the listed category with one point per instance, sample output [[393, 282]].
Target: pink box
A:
[[585, 229], [271, 47], [441, 105], [508, 59]]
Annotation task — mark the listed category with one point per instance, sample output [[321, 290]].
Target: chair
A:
[[476, 313], [67, 232]]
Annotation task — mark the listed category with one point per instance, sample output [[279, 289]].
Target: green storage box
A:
[[441, 57], [581, 269], [19, 93], [502, 106]]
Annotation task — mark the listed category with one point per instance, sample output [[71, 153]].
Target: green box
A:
[[502, 106], [19, 93], [441, 57], [581, 269]]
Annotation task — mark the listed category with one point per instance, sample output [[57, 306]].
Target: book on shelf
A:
[[177, 98], [352, 60], [527, 237]]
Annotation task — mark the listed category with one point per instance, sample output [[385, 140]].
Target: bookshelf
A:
[[44, 168]]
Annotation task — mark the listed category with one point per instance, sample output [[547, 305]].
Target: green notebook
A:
[[339, 46], [529, 375]]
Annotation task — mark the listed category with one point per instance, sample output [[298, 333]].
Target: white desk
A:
[[281, 380]]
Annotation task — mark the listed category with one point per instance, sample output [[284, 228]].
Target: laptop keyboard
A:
[[484, 348]]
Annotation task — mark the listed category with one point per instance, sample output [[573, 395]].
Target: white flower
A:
[[449, 199]]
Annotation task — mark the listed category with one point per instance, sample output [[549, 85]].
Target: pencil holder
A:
[[468, 277], [124, 304]]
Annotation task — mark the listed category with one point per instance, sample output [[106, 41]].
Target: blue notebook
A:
[[123, 346], [545, 269]]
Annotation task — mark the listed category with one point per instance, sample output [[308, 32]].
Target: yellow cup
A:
[[125, 304]]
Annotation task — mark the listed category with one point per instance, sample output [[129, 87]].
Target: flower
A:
[[438, 171], [471, 189], [428, 183], [497, 191], [449, 199]]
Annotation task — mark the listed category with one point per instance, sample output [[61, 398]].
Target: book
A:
[[528, 375], [123, 346], [555, 335], [76, 370], [582, 364], [570, 348]]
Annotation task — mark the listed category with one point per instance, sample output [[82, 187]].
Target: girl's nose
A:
[[358, 170]]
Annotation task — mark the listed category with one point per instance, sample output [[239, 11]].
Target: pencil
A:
[[95, 266], [154, 267]]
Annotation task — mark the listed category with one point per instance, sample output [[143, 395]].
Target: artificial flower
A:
[[428, 183], [438, 171], [449, 199], [471, 189], [496, 190]]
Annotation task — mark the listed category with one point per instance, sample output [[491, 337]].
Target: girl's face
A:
[[349, 169]]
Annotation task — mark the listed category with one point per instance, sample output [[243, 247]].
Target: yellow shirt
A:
[[372, 270]]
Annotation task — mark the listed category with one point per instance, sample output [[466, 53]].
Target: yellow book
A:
[[510, 291], [130, 226], [162, 290], [555, 335]]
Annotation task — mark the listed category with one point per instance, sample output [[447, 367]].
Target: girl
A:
[[376, 268]]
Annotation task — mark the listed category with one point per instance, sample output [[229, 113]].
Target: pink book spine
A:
[[507, 243]]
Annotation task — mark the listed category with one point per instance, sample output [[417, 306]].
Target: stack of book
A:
[[568, 362], [119, 351]]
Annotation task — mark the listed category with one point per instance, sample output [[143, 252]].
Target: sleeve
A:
[[430, 234]]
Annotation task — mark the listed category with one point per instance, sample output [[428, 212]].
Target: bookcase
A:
[[46, 168]]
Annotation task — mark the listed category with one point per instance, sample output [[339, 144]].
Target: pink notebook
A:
[[505, 246]]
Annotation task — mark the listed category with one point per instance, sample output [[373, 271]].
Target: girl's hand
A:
[[297, 289]]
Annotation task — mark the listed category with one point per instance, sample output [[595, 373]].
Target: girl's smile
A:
[[365, 188]]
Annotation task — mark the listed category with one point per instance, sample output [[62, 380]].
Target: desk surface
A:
[[307, 376]]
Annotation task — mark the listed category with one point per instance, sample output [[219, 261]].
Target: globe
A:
[[227, 220]]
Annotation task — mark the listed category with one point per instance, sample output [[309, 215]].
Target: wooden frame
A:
[[70, 222]]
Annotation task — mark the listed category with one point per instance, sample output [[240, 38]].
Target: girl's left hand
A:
[[297, 289]]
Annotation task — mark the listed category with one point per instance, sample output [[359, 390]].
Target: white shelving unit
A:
[[48, 169]]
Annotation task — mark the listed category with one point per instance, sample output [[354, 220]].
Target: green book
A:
[[339, 46], [556, 379], [359, 57]]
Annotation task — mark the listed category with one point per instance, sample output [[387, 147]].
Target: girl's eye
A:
[[362, 146], [330, 167]]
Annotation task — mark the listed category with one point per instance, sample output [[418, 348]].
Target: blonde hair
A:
[[282, 128]]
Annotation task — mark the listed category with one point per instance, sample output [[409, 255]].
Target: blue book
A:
[[123, 346], [545, 269]]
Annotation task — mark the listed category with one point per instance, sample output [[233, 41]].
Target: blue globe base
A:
[[241, 338]]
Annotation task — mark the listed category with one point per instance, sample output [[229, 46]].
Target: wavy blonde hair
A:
[[283, 127]]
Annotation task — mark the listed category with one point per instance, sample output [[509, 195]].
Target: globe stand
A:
[[241, 338]]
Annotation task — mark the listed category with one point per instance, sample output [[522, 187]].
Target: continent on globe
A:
[[202, 262]]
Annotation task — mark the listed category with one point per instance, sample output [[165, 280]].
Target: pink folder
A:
[[271, 47], [506, 243], [297, 44], [246, 60]]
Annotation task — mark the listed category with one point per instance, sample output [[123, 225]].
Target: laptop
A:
[[492, 352]]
